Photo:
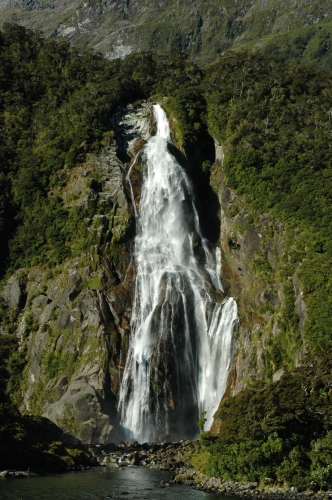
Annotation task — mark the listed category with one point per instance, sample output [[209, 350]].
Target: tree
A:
[[202, 420]]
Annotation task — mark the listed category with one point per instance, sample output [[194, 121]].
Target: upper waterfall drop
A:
[[163, 129], [180, 348]]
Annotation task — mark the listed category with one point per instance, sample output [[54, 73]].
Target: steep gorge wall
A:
[[74, 320]]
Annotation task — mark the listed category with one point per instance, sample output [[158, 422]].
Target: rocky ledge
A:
[[18, 473], [163, 456], [14, 474], [214, 485]]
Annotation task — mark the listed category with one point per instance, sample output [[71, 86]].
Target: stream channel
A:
[[100, 483]]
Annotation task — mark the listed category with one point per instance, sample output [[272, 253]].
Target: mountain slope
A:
[[201, 28]]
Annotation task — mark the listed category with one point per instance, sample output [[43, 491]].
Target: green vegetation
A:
[[69, 422], [275, 124], [8, 344], [282, 431], [202, 420], [35, 442], [55, 106], [307, 45], [29, 441]]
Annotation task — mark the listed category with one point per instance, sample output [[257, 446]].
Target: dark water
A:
[[101, 483]]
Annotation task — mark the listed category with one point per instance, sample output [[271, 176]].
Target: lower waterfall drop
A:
[[180, 349]]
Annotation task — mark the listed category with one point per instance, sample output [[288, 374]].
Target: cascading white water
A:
[[181, 342]]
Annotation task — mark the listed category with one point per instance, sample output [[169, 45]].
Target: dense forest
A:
[[275, 124]]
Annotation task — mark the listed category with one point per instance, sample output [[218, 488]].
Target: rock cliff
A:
[[255, 267], [74, 319]]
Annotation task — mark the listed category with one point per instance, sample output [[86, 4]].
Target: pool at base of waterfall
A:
[[100, 483]]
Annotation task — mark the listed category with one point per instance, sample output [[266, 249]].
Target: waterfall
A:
[[180, 348]]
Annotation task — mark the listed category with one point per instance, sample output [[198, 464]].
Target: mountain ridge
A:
[[203, 29]]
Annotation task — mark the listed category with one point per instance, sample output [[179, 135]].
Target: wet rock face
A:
[[74, 320]]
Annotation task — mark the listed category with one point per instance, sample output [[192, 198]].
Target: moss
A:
[[54, 362], [120, 226], [216, 177], [95, 283], [36, 398], [16, 364], [69, 422]]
